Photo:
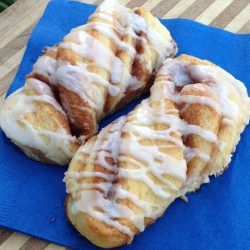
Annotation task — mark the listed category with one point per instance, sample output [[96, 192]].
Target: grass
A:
[[5, 4]]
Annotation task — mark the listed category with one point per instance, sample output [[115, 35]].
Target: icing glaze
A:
[[114, 22], [130, 143], [46, 67], [17, 128], [147, 160], [229, 93]]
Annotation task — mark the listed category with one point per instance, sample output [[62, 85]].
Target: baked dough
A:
[[109, 62], [98, 68], [34, 120], [124, 178]]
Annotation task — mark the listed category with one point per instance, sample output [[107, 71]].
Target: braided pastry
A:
[[97, 68], [214, 108], [109, 62], [34, 120], [124, 178]]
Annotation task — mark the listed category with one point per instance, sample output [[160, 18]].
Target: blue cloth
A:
[[216, 217]]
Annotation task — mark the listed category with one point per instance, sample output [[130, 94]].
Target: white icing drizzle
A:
[[207, 135], [201, 100], [94, 50], [46, 67], [43, 93], [13, 114], [77, 176], [191, 153], [99, 200], [90, 200], [221, 86], [108, 31], [227, 121], [165, 88], [146, 159], [74, 79], [181, 73], [114, 22]]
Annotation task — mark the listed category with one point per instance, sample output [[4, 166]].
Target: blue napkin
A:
[[216, 217]]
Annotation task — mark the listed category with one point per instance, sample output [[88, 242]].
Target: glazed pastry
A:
[[214, 108], [110, 61], [33, 119], [98, 68], [124, 178]]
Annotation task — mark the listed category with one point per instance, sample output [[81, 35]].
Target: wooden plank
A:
[[179, 8], [240, 20], [1, 102], [196, 9], [245, 29], [16, 44], [164, 6], [5, 81], [135, 3], [86, 1], [213, 11], [229, 13], [14, 242], [11, 63], [26, 17], [33, 243], [54, 247], [4, 234], [151, 4]]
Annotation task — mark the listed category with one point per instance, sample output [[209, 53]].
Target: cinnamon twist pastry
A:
[[109, 62], [124, 178], [34, 120], [214, 108], [97, 68]]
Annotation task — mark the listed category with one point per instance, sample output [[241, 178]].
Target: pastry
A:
[[110, 61], [124, 178], [214, 108], [97, 68], [34, 120]]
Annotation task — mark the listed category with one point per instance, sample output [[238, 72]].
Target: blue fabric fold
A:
[[216, 217]]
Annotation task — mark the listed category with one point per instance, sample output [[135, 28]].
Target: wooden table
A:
[[17, 22]]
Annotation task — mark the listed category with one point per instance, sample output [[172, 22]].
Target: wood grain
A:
[[17, 22]]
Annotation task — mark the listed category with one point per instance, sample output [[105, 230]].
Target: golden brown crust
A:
[[139, 69], [193, 60], [132, 64], [44, 121], [95, 231], [99, 232], [227, 134], [206, 118], [50, 53], [83, 121], [83, 117], [35, 154]]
